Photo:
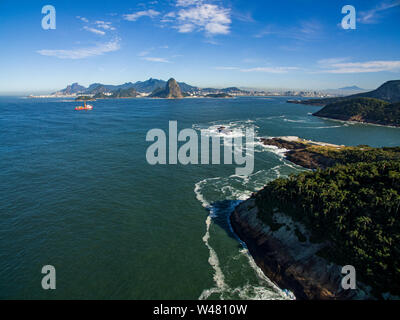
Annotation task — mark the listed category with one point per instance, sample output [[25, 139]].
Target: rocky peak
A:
[[172, 89]]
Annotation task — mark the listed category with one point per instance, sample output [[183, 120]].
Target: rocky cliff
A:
[[291, 263]]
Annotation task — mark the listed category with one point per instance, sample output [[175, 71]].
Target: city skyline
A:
[[259, 44]]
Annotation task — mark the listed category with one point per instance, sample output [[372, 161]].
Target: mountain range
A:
[[351, 88], [380, 106], [146, 87], [389, 92]]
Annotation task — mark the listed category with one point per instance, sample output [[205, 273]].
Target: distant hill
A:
[[389, 92], [218, 95], [230, 90], [351, 88], [120, 93], [147, 87], [361, 109], [140, 86], [72, 89], [171, 91]]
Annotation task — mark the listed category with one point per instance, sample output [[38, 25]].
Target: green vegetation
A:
[[346, 155], [363, 109], [389, 92], [120, 93], [352, 207], [84, 98], [218, 95]]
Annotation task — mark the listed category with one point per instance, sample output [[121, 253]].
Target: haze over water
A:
[[77, 193]]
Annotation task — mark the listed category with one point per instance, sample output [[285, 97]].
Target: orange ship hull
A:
[[87, 107]]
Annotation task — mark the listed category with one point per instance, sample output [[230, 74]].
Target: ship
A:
[[84, 107]]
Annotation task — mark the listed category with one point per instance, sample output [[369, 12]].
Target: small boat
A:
[[84, 107]]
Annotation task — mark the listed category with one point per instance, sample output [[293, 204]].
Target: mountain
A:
[[120, 93], [171, 91], [149, 85], [125, 93], [234, 90], [71, 89], [352, 88], [154, 84], [230, 90], [389, 92], [140, 86], [368, 110], [104, 88]]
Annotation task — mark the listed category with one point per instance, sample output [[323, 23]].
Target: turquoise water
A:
[[77, 193]]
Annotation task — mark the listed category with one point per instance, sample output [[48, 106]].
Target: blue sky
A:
[[260, 44]]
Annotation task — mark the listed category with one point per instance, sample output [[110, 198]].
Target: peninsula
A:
[[302, 229], [380, 106]]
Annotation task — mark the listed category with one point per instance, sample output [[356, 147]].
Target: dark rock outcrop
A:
[[286, 261], [300, 154]]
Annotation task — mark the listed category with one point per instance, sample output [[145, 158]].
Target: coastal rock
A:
[[285, 260], [297, 151]]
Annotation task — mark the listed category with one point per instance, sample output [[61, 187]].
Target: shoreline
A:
[[282, 247], [289, 263], [359, 122], [301, 152]]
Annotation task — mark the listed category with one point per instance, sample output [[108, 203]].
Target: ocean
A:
[[77, 193]]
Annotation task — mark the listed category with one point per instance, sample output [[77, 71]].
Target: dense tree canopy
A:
[[363, 109], [355, 208]]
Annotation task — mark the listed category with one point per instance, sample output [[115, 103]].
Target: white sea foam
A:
[[296, 121], [237, 188]]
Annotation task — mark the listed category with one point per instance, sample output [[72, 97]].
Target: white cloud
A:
[[185, 28], [308, 30], [93, 30], [81, 53], [204, 17], [361, 67], [226, 68], [146, 13], [104, 25], [144, 53], [372, 16], [82, 19], [331, 61], [186, 3], [156, 59], [277, 70]]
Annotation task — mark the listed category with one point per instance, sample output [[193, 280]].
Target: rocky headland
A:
[[301, 257]]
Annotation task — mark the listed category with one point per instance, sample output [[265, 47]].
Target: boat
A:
[[84, 107]]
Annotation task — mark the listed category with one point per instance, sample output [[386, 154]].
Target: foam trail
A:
[[213, 260], [260, 274]]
